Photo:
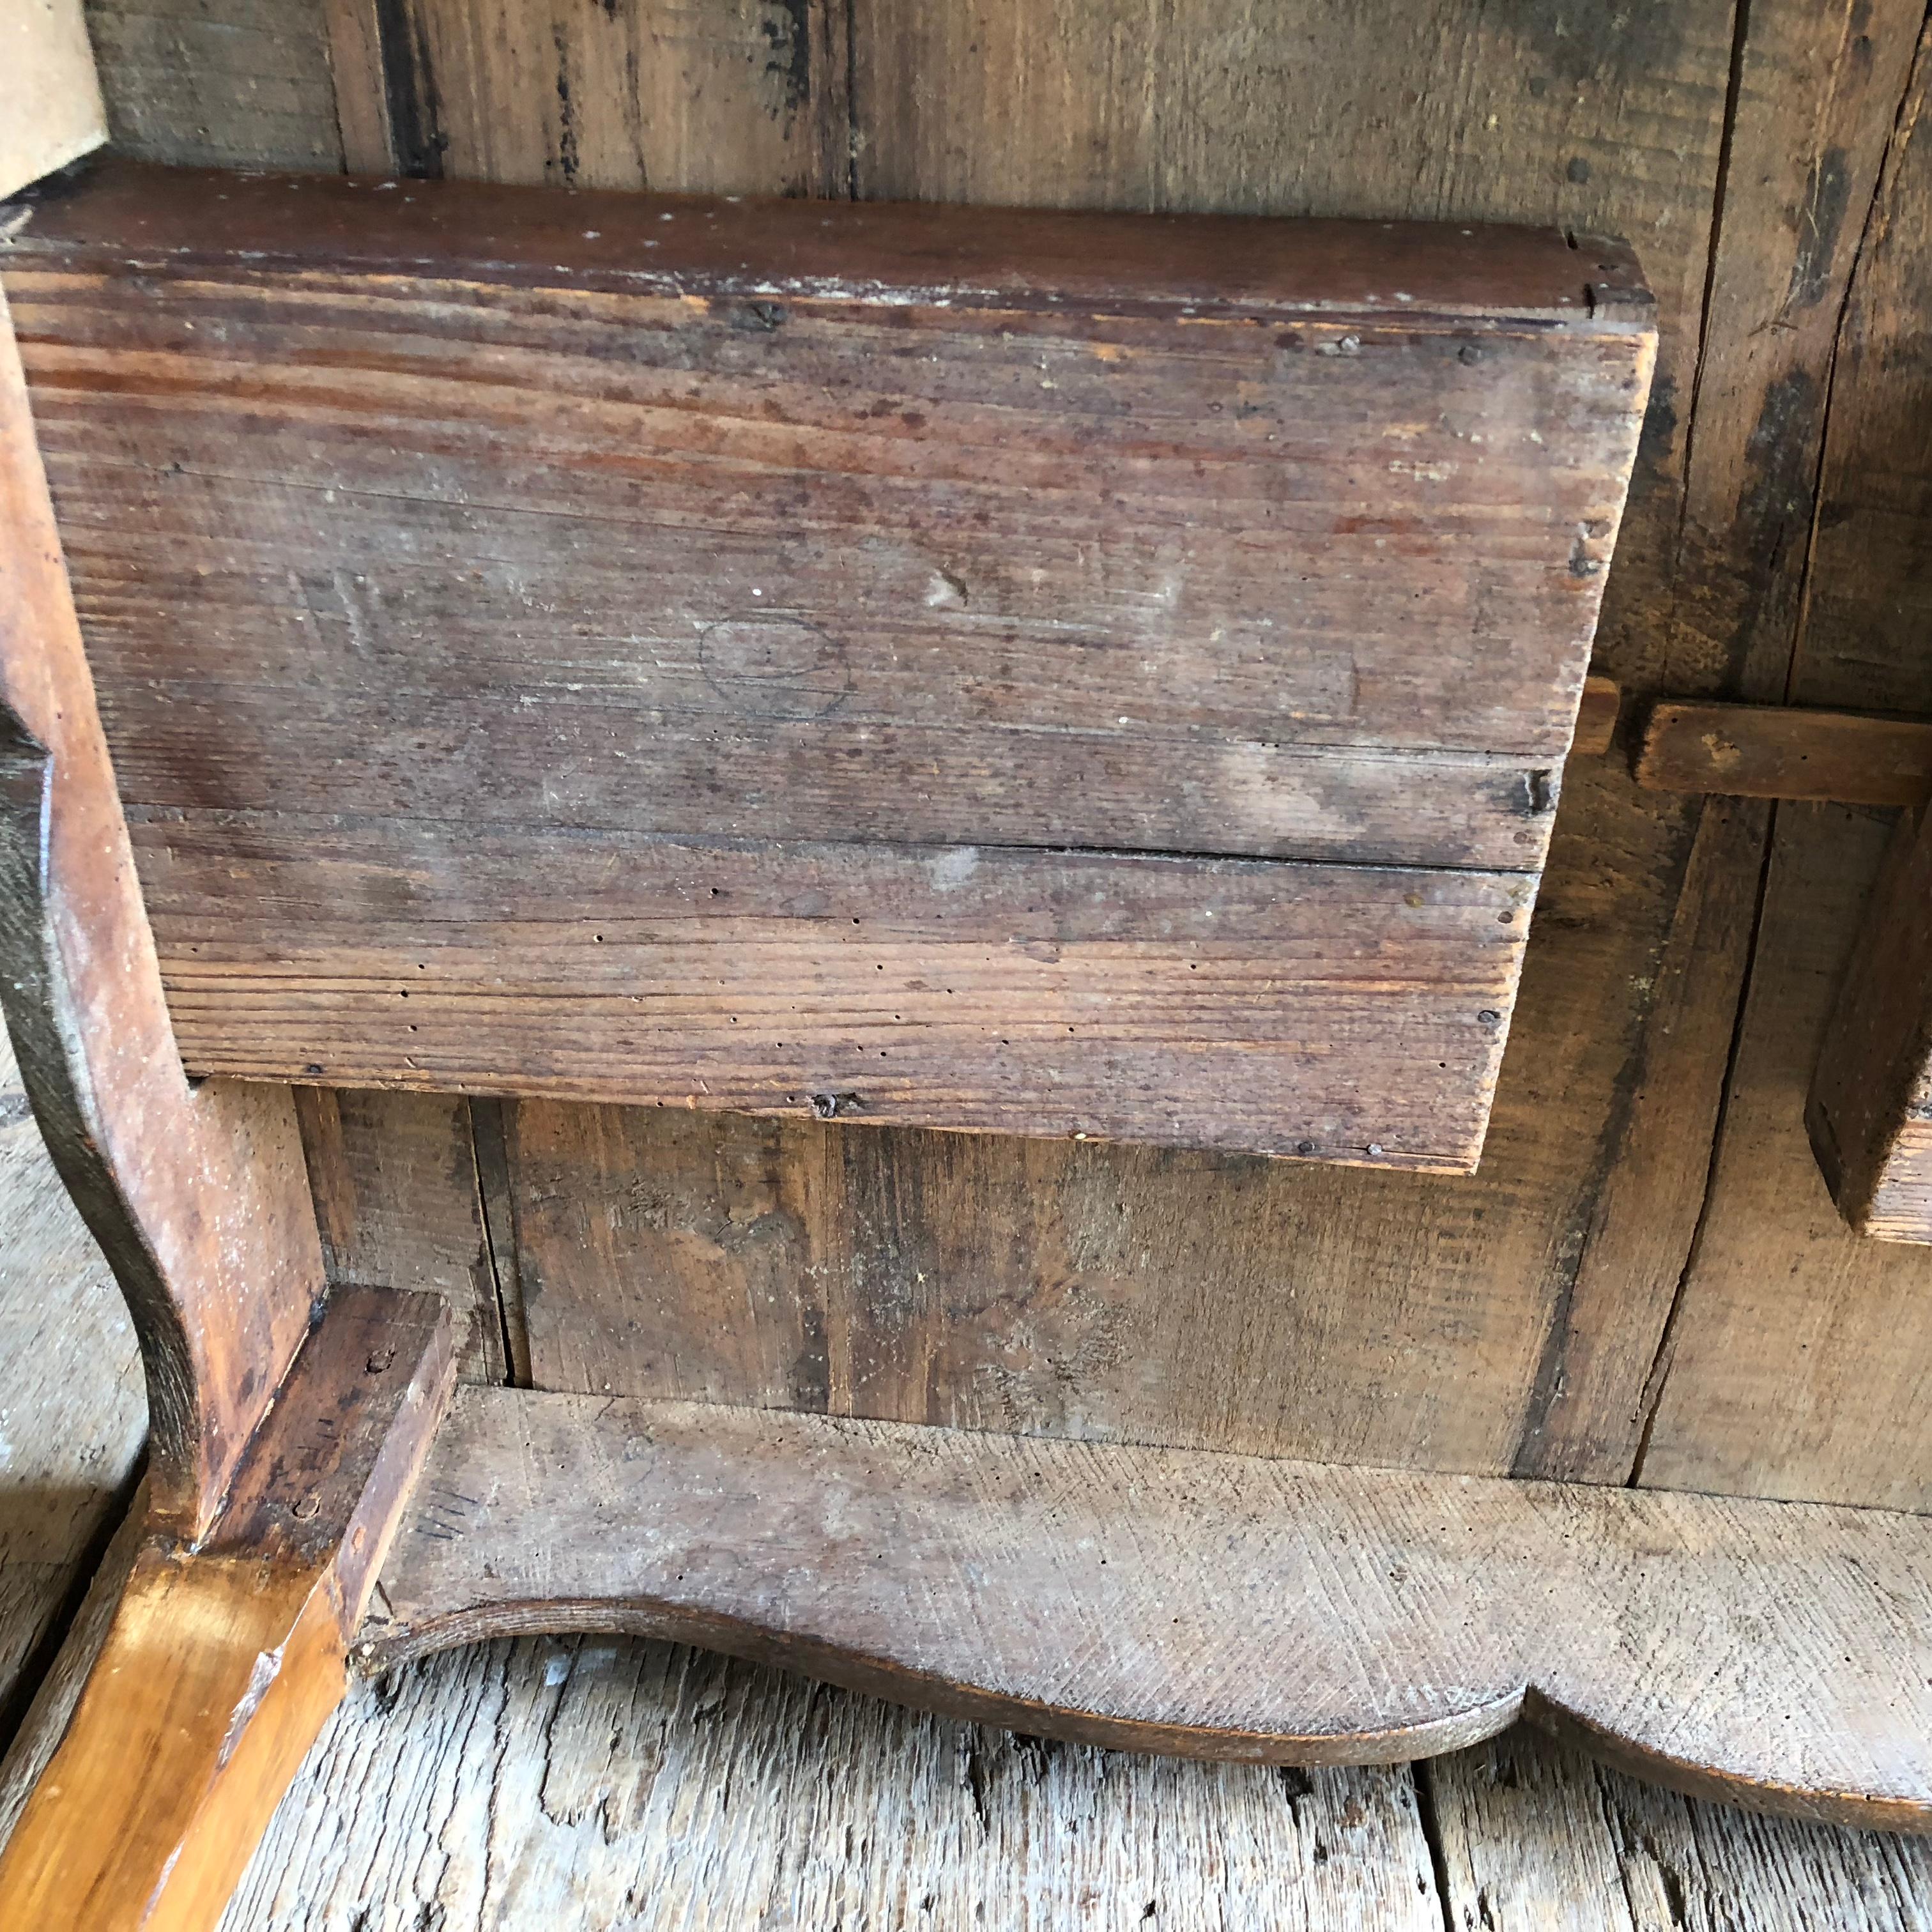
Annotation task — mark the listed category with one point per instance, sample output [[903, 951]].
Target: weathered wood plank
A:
[[747, 97], [916, 549], [1349, 1013], [50, 106], [221, 83], [1532, 1835], [1869, 1111], [1771, 750], [399, 1205], [197, 1196], [1000, 538], [1799, 1361], [1816, 94], [1799, 1352], [1387, 1318], [1249, 1609]]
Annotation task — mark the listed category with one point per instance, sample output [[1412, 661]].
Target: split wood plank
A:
[[198, 1197], [399, 1205], [1771, 750], [225, 1656], [1870, 1113], [1799, 1352], [1252, 1610], [50, 107]]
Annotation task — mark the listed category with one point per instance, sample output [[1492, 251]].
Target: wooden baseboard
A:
[[1776, 1654]]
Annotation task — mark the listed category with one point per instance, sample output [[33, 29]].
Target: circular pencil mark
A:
[[775, 667]]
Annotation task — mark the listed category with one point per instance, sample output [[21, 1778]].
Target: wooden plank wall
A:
[[1646, 1281]]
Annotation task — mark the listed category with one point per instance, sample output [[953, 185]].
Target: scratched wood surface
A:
[[197, 1193], [914, 549], [585, 1784], [1529, 1321], [1201, 1605], [1799, 1347]]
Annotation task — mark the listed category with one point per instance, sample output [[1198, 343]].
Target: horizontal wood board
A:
[[1329, 1012], [1206, 1605], [1279, 540]]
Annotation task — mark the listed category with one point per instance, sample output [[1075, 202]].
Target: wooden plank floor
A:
[[570, 1786]]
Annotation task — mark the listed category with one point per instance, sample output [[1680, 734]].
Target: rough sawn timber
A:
[[637, 549], [1195, 1604]]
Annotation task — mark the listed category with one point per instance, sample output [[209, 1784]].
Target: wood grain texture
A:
[[585, 1784], [1532, 1836], [50, 108], [400, 1204], [1798, 1364], [1596, 718], [198, 1198], [1870, 1111], [217, 83], [748, 97], [918, 553], [225, 1656], [1767, 750], [1263, 1611], [1338, 1013], [1815, 98], [1797, 1349]]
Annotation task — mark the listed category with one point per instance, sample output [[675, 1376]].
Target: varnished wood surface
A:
[[1205, 1605], [198, 1198], [224, 1657], [1762, 750], [1870, 1111]]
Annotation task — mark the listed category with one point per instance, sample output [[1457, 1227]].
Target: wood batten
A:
[[1789, 752], [1063, 674], [1206, 1605], [225, 1655]]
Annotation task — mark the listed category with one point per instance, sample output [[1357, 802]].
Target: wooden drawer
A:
[[1064, 674]]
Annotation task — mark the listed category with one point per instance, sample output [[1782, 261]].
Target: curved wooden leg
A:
[[224, 1659]]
